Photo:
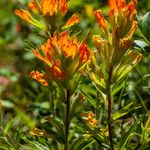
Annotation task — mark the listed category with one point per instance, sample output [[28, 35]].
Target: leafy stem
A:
[[109, 99], [67, 122]]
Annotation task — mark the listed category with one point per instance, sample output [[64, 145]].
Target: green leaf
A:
[[93, 131], [141, 45], [125, 110], [53, 134], [3, 147], [8, 126], [25, 118], [128, 61], [127, 137], [82, 143], [88, 92], [1, 114], [57, 124], [36, 144], [146, 25]]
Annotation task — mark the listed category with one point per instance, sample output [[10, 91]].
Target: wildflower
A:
[[89, 117], [39, 77], [121, 16], [114, 48], [63, 55], [45, 8]]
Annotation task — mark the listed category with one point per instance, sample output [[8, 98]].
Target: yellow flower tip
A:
[[137, 59], [37, 132], [125, 42], [90, 115], [33, 6], [39, 77], [132, 30], [97, 40], [71, 21]]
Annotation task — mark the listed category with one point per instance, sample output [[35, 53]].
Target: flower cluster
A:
[[115, 49], [63, 56], [46, 8]]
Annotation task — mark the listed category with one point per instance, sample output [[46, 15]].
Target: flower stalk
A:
[[109, 99], [67, 122]]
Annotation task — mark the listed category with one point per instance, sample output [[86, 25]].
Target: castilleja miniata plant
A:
[[67, 60]]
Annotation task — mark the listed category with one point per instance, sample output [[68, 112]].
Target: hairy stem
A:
[[109, 108], [67, 119]]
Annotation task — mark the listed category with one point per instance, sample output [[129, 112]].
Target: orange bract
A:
[[24, 14], [71, 21], [53, 6], [100, 19], [33, 6], [121, 5], [57, 51], [39, 77], [117, 4]]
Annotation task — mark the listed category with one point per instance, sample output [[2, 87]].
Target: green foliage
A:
[[25, 104]]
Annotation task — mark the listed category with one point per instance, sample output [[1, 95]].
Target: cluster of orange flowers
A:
[[46, 8], [62, 55], [74, 55], [114, 48]]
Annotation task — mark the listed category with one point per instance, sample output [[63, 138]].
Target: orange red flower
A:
[[61, 53]]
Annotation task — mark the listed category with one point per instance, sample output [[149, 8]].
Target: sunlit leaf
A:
[[125, 110]]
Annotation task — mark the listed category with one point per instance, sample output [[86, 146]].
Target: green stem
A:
[[52, 104], [109, 108], [67, 123]]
